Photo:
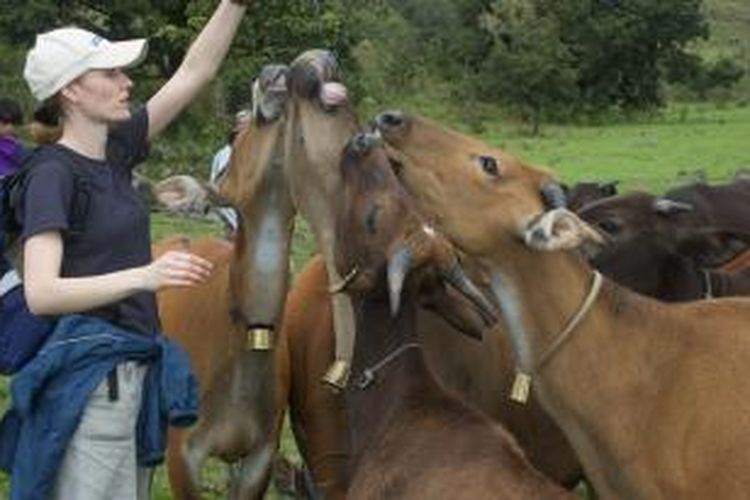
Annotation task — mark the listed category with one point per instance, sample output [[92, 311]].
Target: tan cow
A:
[[654, 397], [410, 438], [473, 369], [225, 324]]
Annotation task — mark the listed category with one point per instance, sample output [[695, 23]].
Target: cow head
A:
[[260, 146], [380, 229], [475, 193], [624, 216]]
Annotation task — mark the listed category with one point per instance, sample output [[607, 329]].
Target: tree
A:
[[621, 45], [528, 68], [274, 31]]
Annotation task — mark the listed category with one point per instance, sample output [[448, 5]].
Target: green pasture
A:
[[651, 153]]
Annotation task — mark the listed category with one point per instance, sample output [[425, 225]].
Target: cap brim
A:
[[120, 54]]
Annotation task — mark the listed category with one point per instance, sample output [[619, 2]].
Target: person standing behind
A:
[[105, 271], [44, 127], [11, 150]]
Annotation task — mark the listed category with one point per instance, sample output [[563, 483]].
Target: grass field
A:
[[650, 153]]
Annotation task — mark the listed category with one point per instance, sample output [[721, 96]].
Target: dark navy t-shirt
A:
[[113, 234]]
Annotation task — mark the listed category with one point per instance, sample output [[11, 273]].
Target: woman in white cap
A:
[[104, 268]]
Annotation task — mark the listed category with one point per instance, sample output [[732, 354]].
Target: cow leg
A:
[[195, 448], [249, 476], [184, 484]]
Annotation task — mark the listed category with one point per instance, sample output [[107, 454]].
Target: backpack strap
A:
[[79, 204], [9, 280]]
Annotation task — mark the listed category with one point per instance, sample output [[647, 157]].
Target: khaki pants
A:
[[100, 461]]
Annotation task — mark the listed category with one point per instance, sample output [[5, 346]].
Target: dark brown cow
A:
[[471, 368], [225, 324], [653, 396], [691, 207], [665, 246], [676, 268], [409, 437]]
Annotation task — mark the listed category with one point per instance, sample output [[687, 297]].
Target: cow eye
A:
[[609, 226], [489, 165]]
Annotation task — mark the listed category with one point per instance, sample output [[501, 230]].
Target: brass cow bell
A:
[[521, 388], [338, 374], [259, 339]]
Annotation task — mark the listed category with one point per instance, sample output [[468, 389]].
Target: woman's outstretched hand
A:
[[176, 268]]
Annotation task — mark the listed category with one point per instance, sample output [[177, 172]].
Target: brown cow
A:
[[692, 207], [665, 246], [409, 437], [653, 396], [224, 324], [473, 369], [677, 267]]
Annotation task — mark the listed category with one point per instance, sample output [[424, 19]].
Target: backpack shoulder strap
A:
[[14, 190]]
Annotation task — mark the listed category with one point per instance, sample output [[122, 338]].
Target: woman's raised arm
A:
[[201, 63]]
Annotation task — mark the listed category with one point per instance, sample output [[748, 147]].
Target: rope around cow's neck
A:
[[522, 383], [368, 374]]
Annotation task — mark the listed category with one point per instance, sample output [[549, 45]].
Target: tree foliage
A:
[[541, 58]]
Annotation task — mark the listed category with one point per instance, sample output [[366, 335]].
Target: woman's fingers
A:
[[177, 268]]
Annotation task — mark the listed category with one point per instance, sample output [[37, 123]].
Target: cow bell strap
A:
[[9, 281], [522, 383]]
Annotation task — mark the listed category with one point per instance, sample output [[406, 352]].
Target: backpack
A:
[[22, 333]]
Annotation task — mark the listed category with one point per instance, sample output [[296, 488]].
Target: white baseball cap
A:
[[62, 55]]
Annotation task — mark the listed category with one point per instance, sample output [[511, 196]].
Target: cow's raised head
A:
[[476, 193], [260, 146], [323, 116], [624, 216], [380, 230]]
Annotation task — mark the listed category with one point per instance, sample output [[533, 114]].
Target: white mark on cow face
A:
[[512, 310]]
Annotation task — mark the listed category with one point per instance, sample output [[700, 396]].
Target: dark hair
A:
[[48, 113], [10, 111]]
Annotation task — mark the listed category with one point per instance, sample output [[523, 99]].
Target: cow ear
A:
[[665, 206], [560, 229], [710, 248]]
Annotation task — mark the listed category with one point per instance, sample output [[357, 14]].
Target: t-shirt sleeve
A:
[[127, 144], [45, 199]]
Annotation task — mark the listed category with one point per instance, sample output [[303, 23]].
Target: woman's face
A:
[[101, 94]]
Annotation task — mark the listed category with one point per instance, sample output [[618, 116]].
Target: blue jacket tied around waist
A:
[[49, 394]]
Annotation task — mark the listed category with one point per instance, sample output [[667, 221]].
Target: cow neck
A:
[[315, 184], [261, 250], [581, 384], [388, 344]]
